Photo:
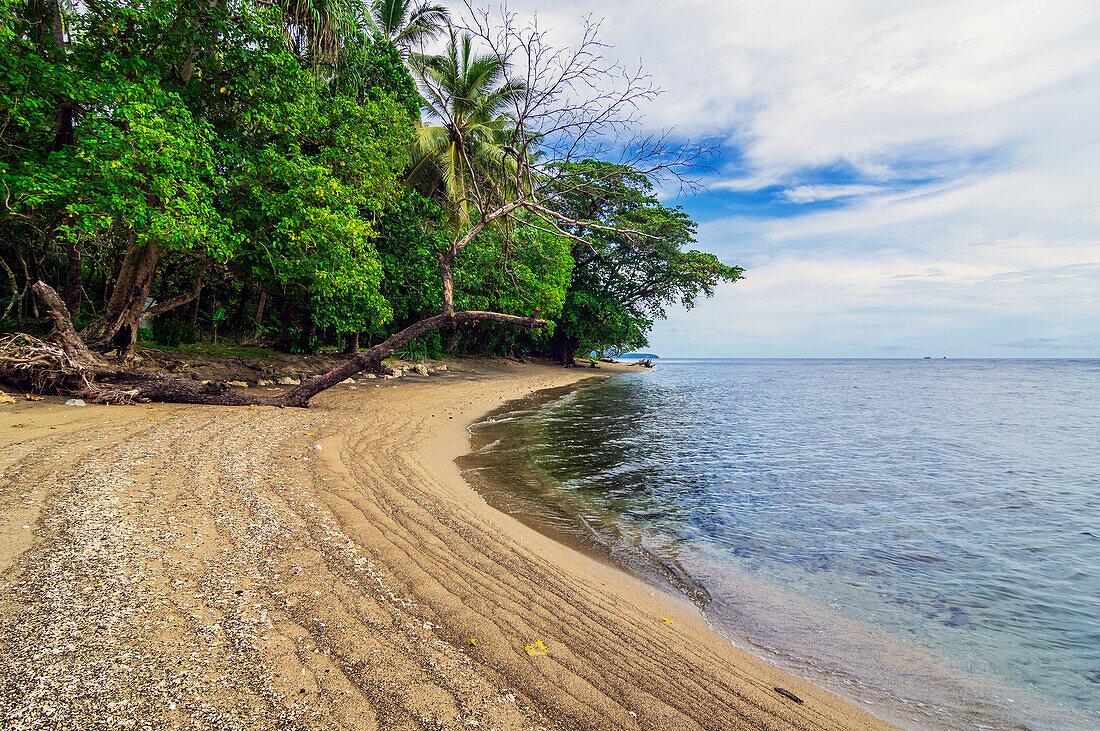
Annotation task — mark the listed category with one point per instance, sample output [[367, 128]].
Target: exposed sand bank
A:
[[209, 567]]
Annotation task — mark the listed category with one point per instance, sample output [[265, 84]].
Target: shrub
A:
[[173, 333]]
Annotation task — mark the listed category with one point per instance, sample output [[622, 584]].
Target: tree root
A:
[[40, 366]]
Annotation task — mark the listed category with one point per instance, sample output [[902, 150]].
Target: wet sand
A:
[[206, 567]]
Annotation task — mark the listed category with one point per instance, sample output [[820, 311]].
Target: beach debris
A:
[[537, 648], [420, 369], [76, 402], [348, 381], [265, 382], [5, 398], [317, 447], [666, 620], [238, 384], [33, 397], [441, 368], [472, 642], [288, 381], [787, 694]]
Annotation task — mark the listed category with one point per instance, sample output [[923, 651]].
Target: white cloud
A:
[[996, 100], [814, 193]]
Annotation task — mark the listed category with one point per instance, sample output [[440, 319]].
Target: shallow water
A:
[[922, 536]]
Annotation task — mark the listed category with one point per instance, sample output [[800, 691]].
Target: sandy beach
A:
[[170, 566]]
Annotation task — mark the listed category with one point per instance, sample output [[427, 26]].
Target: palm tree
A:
[[406, 26], [465, 156], [315, 28]]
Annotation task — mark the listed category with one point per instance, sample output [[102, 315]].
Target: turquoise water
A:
[[921, 536]]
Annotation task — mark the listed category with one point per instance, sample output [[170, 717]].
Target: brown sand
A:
[[208, 567]]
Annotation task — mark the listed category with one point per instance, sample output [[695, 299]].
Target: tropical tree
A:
[[631, 262], [204, 140], [465, 154], [314, 29], [406, 25], [197, 139]]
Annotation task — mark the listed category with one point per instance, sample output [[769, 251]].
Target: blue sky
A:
[[898, 179]]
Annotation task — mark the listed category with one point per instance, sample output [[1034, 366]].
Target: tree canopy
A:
[[297, 175]]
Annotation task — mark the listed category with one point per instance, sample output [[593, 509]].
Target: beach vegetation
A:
[[307, 174]]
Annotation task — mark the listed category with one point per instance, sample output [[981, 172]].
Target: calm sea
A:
[[921, 536]]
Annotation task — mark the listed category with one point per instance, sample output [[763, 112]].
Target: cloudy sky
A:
[[897, 178]]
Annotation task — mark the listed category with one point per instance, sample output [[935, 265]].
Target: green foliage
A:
[[409, 245], [312, 203], [266, 145], [428, 346], [628, 272], [405, 24], [173, 333], [376, 70], [525, 272], [468, 97], [219, 350]]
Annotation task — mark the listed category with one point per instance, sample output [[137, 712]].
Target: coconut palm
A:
[[465, 155], [315, 28], [406, 25]]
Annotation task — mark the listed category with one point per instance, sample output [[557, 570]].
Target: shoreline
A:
[[539, 505], [230, 574]]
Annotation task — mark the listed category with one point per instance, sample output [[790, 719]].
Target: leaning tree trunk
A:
[[371, 360], [71, 342], [124, 330], [123, 385], [124, 282]]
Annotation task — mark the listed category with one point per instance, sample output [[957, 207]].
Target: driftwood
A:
[[39, 365], [70, 341], [70, 366]]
